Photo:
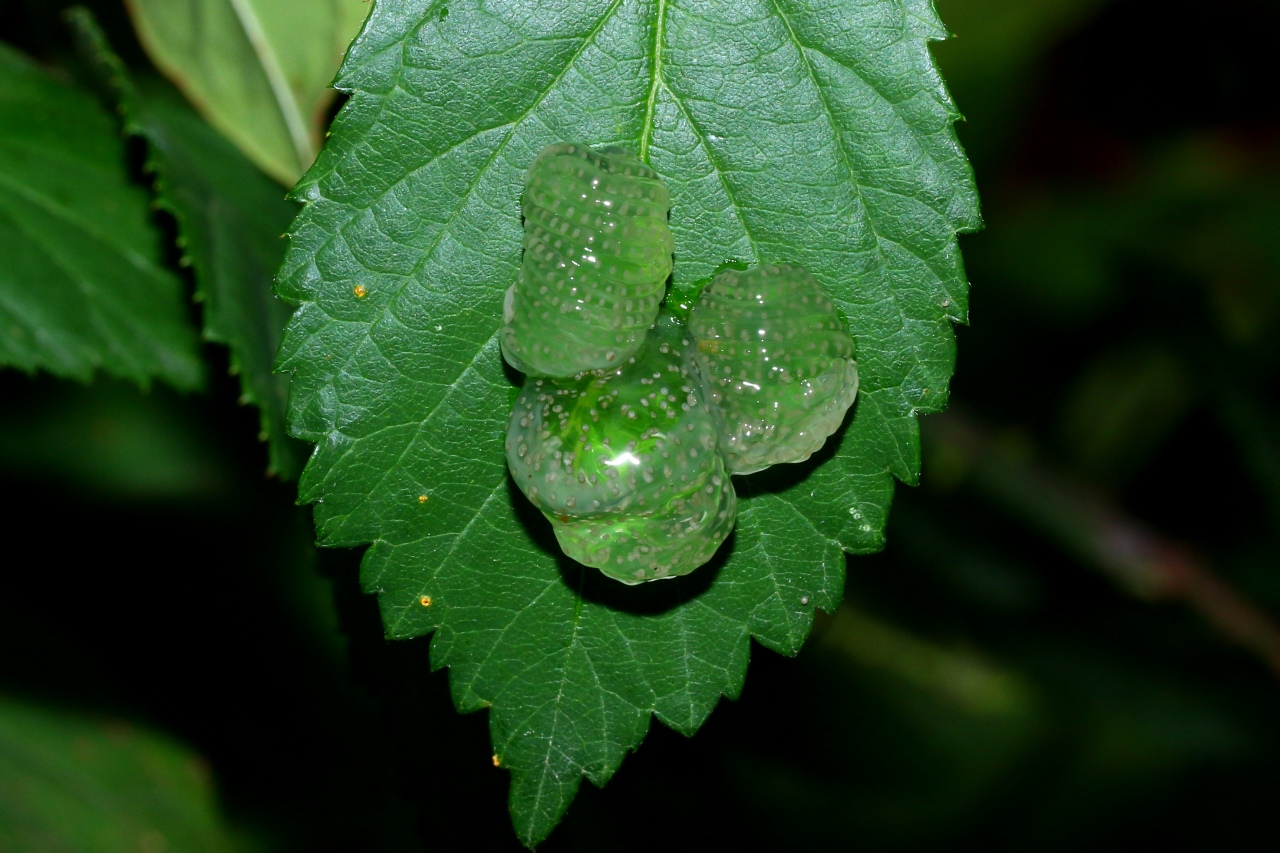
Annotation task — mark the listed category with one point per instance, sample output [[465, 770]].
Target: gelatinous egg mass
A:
[[778, 359], [625, 462], [597, 254], [629, 424]]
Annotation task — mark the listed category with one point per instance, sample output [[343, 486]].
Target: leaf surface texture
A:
[[815, 133]]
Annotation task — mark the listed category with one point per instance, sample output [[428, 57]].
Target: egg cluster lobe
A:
[[626, 463], [597, 254], [779, 361]]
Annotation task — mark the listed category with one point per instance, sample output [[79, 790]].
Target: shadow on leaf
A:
[[593, 586], [646, 599]]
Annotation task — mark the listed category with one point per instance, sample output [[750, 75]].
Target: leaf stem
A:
[[1089, 524]]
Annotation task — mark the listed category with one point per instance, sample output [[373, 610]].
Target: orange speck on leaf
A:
[[423, 499], [497, 762], [425, 601], [360, 291]]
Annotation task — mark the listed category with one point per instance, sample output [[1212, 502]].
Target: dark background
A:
[[1069, 641]]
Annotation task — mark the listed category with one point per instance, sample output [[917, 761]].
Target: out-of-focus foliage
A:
[[984, 686], [83, 286], [82, 785], [258, 70], [231, 220]]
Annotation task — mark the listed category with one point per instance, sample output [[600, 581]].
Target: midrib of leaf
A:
[[289, 109], [659, 33]]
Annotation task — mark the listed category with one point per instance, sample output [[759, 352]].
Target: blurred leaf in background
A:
[[83, 284], [231, 221], [258, 70], [154, 576], [83, 785], [107, 441]]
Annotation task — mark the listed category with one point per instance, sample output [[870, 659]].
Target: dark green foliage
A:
[[812, 133], [231, 220], [79, 784], [1068, 643], [82, 285]]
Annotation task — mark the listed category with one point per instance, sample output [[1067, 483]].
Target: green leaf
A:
[[76, 783], [258, 70], [231, 218], [82, 285], [809, 132]]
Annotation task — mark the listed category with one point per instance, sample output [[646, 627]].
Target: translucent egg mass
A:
[[597, 254], [626, 462], [779, 360], [629, 424]]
